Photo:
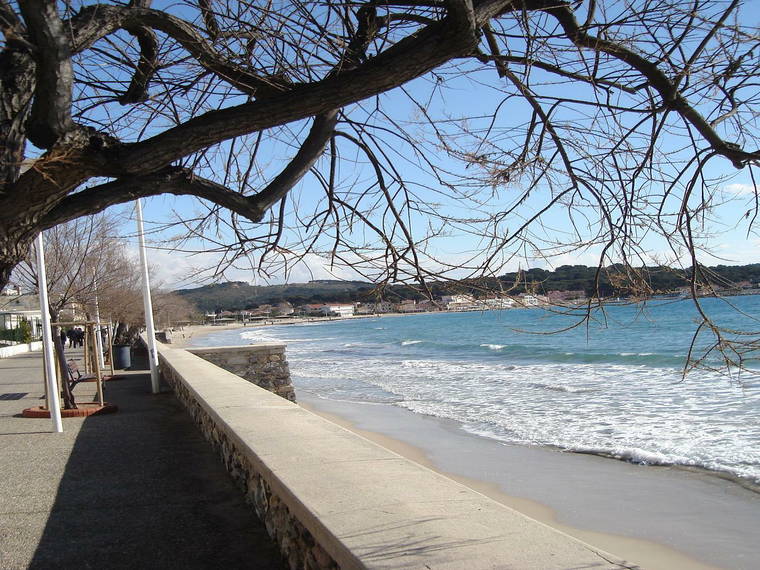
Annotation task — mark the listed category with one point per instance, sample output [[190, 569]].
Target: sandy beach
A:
[[187, 335], [190, 334], [658, 517]]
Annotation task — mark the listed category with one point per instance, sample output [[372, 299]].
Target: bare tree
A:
[[171, 309], [84, 260], [622, 117]]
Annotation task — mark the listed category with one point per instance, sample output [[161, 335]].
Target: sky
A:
[[727, 238], [730, 244]]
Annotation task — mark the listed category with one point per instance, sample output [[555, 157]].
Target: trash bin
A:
[[122, 357]]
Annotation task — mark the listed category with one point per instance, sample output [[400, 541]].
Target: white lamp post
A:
[[47, 340], [98, 336], [147, 303]]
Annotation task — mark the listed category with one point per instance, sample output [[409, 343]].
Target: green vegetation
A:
[[22, 333], [238, 295], [613, 282]]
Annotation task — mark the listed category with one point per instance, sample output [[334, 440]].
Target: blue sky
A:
[[727, 238], [467, 93]]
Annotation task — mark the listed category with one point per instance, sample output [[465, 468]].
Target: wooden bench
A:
[[74, 369]]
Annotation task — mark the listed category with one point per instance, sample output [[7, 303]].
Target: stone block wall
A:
[[262, 364], [297, 545]]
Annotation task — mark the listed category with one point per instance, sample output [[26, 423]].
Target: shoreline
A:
[[191, 333], [663, 517], [658, 517]]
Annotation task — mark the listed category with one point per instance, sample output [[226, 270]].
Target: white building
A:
[[338, 310], [459, 302], [529, 300], [372, 308], [17, 308], [501, 303], [11, 291]]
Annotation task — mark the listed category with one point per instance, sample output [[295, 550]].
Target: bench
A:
[[74, 369]]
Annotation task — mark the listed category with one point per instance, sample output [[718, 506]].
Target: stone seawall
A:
[[261, 364], [296, 543], [332, 499]]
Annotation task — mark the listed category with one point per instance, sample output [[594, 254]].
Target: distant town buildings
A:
[[373, 308], [453, 302], [404, 306], [344, 310], [558, 296], [527, 300]]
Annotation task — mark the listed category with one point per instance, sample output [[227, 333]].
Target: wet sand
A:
[[659, 517]]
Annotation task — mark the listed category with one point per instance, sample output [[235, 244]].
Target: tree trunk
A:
[[16, 88], [17, 83], [69, 403]]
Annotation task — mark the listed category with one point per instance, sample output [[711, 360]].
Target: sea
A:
[[612, 385]]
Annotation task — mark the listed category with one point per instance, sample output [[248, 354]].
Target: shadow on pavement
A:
[[142, 489]]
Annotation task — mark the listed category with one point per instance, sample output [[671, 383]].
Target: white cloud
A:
[[174, 269], [737, 253], [740, 189], [312, 266]]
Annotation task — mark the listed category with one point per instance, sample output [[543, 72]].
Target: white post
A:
[[147, 303], [98, 336], [47, 340]]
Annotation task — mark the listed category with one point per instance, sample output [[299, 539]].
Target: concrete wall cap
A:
[[264, 346]]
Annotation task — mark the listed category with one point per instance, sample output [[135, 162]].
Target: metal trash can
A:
[[122, 356]]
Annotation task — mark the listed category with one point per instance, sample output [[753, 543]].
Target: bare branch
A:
[[146, 66], [178, 181], [409, 58], [667, 89], [10, 24], [96, 22], [209, 19], [311, 149]]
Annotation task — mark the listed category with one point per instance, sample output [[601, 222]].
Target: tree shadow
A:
[[142, 489], [410, 542]]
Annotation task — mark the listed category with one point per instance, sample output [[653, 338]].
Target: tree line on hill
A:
[[613, 281]]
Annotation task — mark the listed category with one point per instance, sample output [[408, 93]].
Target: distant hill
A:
[[238, 295], [615, 282]]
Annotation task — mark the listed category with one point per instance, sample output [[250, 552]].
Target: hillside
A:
[[613, 280], [238, 295]]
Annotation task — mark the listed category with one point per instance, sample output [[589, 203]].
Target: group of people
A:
[[75, 337]]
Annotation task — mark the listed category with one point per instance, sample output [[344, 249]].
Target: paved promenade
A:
[[135, 489]]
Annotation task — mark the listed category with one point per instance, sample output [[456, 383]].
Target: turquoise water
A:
[[612, 386]]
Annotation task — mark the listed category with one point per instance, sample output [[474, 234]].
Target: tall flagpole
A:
[[147, 303], [47, 340]]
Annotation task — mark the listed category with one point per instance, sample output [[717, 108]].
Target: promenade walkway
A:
[[135, 489]]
